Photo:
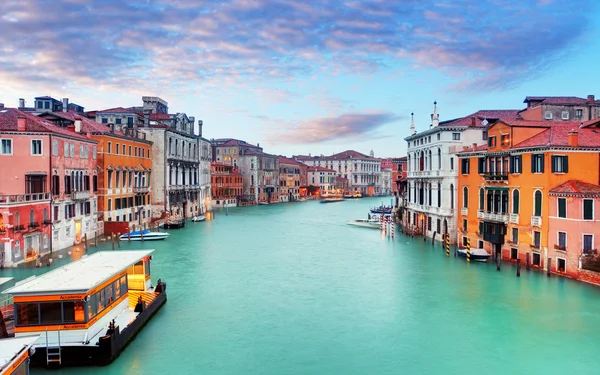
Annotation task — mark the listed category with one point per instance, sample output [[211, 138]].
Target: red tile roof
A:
[[8, 122], [284, 160], [484, 114], [316, 168], [160, 116], [541, 123], [349, 154], [557, 135], [556, 100], [117, 110], [576, 187]]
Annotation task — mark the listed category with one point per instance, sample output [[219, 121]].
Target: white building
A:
[[363, 172], [322, 177], [433, 169]]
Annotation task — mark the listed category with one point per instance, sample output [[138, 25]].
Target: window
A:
[[66, 149], [36, 147], [588, 209], [562, 207], [6, 147], [504, 140], [55, 147], [123, 150], [515, 235], [561, 265], [451, 196], [537, 238], [104, 120], [109, 147], [118, 121], [548, 115], [465, 197], [464, 241], [465, 225], [564, 115], [480, 244], [464, 164], [560, 163], [514, 253], [130, 122], [456, 136], [588, 242], [129, 151], [117, 149], [438, 136], [516, 164], [579, 113], [484, 135], [562, 240], [451, 164], [481, 199], [480, 165], [492, 141], [515, 202], [537, 208], [72, 150], [537, 163], [27, 314], [50, 312], [439, 190]]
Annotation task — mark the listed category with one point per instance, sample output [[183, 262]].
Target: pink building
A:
[[29, 168], [574, 230]]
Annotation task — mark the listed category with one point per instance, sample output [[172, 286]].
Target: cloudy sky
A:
[[298, 77]]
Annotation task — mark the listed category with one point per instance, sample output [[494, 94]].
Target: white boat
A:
[[332, 199], [478, 255], [146, 234], [263, 203], [198, 218], [365, 223]]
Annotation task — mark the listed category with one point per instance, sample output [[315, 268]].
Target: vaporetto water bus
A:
[[86, 312], [14, 355]]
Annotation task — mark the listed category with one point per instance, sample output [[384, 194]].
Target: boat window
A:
[[73, 312], [92, 307], [147, 267], [118, 289], [27, 314], [101, 301], [50, 312], [124, 284]]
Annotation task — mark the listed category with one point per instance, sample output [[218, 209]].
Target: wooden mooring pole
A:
[[85, 242], [527, 261], [549, 266], [518, 267], [112, 240], [119, 239], [498, 260]]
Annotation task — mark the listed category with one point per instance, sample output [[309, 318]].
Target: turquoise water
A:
[[292, 289]]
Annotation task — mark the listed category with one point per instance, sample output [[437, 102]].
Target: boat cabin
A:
[[79, 303], [14, 355]]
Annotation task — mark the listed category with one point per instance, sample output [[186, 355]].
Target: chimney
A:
[[473, 122], [474, 146], [1, 105], [200, 128], [112, 128], [591, 99], [258, 145], [65, 102], [21, 103], [146, 118], [77, 126], [21, 123], [71, 128], [573, 138]]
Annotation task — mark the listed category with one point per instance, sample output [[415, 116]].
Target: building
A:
[[180, 161], [323, 178], [362, 171], [55, 204], [227, 184], [511, 203], [43, 104], [433, 170], [399, 168], [573, 230], [560, 108], [124, 160], [290, 179]]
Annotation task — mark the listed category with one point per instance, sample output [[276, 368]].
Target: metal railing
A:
[[81, 195]]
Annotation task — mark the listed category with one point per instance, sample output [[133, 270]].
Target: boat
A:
[[14, 354], [366, 223], [197, 219], [144, 235], [332, 199], [263, 203], [387, 210], [352, 194], [86, 312], [175, 224], [478, 255]]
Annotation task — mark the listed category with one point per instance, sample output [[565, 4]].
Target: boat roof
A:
[[79, 276], [10, 349], [4, 280]]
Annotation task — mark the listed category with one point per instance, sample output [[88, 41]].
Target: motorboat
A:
[[332, 199], [366, 223], [386, 210], [145, 235], [263, 203], [197, 219], [478, 255]]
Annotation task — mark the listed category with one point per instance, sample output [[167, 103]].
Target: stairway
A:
[[147, 297], [53, 356]]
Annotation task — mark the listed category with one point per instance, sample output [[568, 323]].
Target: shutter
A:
[[512, 164], [565, 164], [532, 163], [553, 159], [542, 159]]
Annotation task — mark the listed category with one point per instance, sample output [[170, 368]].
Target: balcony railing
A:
[[34, 224], [493, 216], [558, 247], [464, 211], [514, 218], [480, 214], [141, 189], [498, 176], [81, 195], [536, 221], [535, 247], [22, 198]]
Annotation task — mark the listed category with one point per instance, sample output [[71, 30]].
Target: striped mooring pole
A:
[[468, 250], [447, 245]]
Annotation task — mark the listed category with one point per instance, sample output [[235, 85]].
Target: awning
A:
[[495, 188]]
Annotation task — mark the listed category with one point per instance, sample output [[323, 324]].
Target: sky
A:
[[297, 76]]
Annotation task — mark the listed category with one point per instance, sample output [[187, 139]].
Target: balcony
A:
[[536, 221], [464, 211], [514, 218], [141, 189], [33, 225], [492, 216], [480, 214], [498, 176], [80, 195], [560, 248], [23, 198], [534, 247]]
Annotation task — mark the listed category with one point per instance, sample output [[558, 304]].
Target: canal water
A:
[[292, 289]]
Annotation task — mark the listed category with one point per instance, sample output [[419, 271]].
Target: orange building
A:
[[124, 167], [227, 184], [504, 186]]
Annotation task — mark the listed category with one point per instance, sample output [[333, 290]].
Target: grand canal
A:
[[292, 289]]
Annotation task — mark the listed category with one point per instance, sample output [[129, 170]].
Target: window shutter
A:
[[565, 164], [553, 163], [512, 164], [542, 162], [532, 163]]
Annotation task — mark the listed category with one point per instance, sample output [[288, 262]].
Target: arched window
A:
[[465, 197], [170, 146], [537, 208], [515, 202], [430, 158], [439, 158], [31, 216], [439, 201], [481, 199], [451, 196], [422, 161], [17, 218]]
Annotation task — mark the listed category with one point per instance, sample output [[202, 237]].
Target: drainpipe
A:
[[51, 211], [165, 177]]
